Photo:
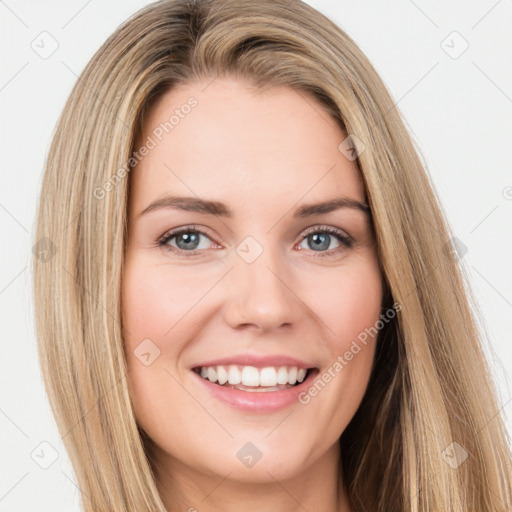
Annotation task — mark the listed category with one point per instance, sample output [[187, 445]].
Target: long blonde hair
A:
[[430, 386]]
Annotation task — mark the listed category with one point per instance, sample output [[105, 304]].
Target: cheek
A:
[[350, 308], [350, 303], [155, 301], [153, 316]]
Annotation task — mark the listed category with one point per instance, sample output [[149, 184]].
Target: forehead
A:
[[225, 140]]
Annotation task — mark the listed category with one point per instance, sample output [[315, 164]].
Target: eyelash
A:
[[345, 240]]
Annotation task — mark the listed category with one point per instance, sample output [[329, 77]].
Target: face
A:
[[251, 280]]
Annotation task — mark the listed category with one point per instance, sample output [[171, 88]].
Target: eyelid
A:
[[168, 235], [325, 228], [342, 236], [188, 228]]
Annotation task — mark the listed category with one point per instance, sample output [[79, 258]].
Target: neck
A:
[[316, 487]]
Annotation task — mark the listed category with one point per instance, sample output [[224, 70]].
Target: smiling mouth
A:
[[253, 379]]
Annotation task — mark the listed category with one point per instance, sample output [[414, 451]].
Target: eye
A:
[[320, 239], [188, 239]]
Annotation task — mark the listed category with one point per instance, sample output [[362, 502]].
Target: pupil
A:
[[316, 237], [189, 239]]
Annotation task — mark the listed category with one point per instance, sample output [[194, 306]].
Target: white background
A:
[[459, 111]]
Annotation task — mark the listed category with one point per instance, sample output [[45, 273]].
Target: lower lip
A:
[[257, 401]]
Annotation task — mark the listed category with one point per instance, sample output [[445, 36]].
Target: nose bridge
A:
[[261, 292]]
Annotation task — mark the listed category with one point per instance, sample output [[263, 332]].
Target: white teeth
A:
[[222, 375], [212, 374], [234, 375], [254, 377], [268, 377], [282, 375], [292, 375], [250, 376]]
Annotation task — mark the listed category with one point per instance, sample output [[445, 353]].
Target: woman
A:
[[252, 300]]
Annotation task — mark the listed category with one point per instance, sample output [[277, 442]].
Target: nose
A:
[[261, 294]]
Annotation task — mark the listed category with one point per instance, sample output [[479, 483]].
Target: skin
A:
[[264, 155]]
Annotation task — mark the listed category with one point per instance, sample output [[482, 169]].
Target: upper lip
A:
[[258, 361]]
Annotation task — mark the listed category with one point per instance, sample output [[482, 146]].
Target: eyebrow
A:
[[195, 204]]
